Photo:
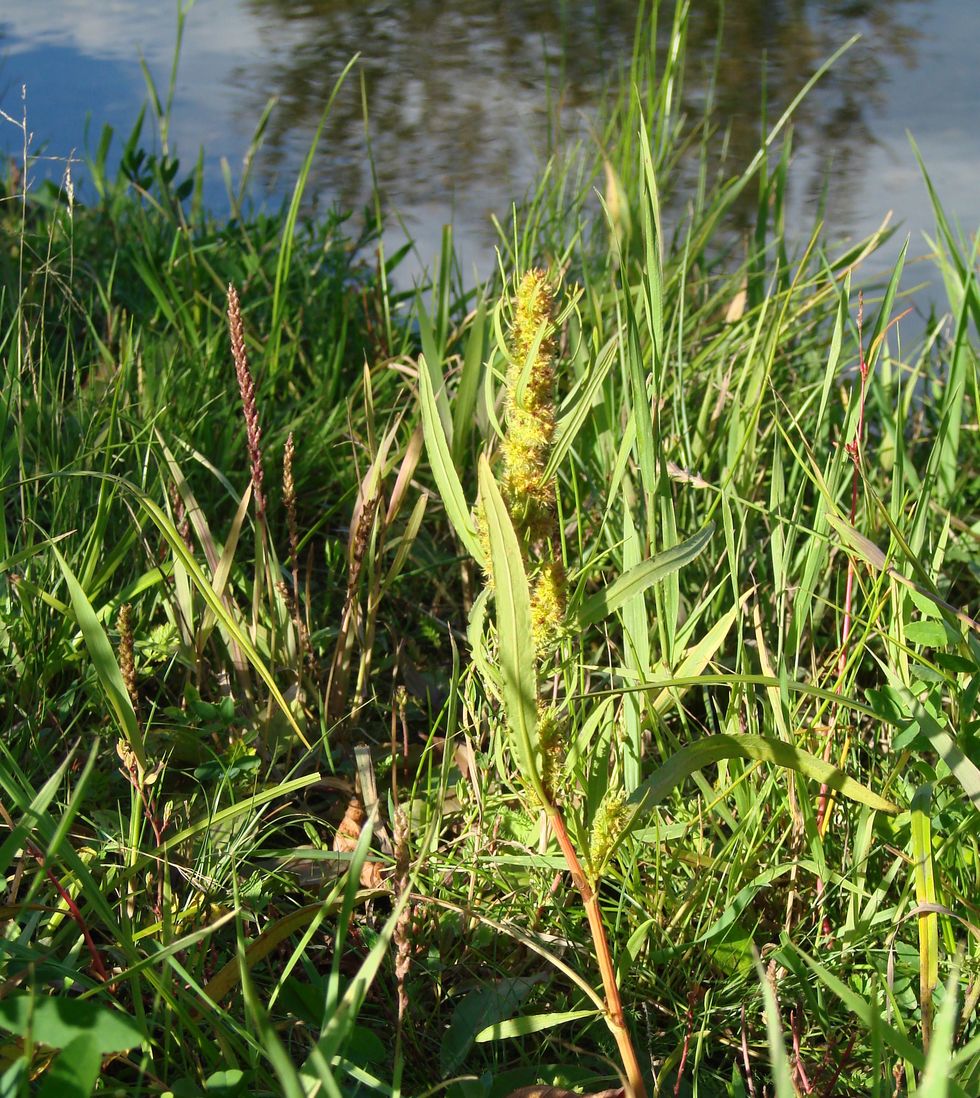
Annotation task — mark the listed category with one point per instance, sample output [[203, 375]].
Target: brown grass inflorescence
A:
[[246, 386]]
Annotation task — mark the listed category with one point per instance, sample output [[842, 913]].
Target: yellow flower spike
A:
[[534, 306], [530, 407], [611, 817], [553, 741], [548, 606]]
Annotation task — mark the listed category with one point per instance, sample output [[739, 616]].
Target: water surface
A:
[[464, 99]]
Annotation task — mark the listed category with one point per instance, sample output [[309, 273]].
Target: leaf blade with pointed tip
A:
[[683, 763], [515, 646], [443, 470], [530, 1023], [644, 575]]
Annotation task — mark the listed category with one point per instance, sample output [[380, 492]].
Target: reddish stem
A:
[[614, 1008]]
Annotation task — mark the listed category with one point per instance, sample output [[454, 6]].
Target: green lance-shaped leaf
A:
[[443, 470], [643, 575], [104, 660], [514, 643], [530, 1023], [683, 763]]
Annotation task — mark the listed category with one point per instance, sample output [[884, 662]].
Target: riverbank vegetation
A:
[[570, 680]]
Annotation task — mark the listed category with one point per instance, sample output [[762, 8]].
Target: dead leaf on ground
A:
[[345, 841]]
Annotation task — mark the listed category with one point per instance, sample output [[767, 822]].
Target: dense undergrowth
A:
[[728, 642]]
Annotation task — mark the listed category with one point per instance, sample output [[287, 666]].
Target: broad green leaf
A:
[[56, 1021], [683, 763], [104, 659], [74, 1072], [476, 1013], [443, 470], [515, 646], [644, 575], [530, 1023]]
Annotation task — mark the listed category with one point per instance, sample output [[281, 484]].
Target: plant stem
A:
[[615, 1018]]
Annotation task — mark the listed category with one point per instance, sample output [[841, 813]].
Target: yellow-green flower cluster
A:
[[548, 605], [553, 744], [529, 415], [530, 406], [611, 817]]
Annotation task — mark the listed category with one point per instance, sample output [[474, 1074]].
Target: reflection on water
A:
[[466, 99]]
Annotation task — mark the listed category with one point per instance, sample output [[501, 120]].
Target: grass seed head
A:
[[246, 386]]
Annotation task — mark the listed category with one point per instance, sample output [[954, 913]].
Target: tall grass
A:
[[322, 782]]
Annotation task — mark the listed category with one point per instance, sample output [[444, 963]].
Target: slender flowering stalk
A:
[[246, 387]]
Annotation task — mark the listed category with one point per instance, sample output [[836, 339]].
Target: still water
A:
[[463, 98]]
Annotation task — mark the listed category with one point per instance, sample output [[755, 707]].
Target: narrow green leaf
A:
[[516, 648], [464, 403], [206, 590], [867, 1014], [443, 470], [288, 238], [936, 1078], [582, 400], [683, 763], [644, 575], [530, 1023], [925, 894], [781, 1073], [104, 660], [964, 770], [697, 657]]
